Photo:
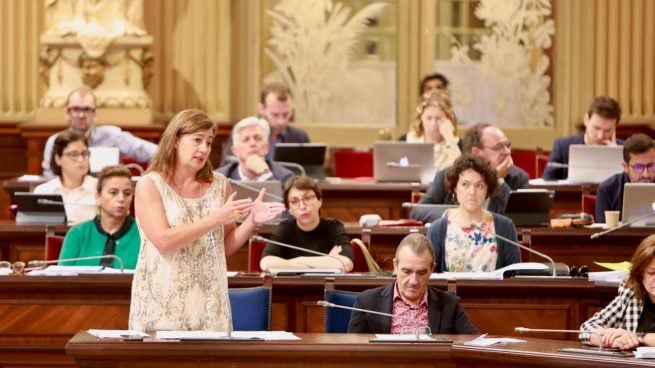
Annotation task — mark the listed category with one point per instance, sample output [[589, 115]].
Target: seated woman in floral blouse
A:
[[461, 247]]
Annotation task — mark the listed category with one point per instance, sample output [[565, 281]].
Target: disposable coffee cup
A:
[[612, 218]]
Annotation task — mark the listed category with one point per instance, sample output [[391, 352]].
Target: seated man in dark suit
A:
[[412, 302], [491, 143], [600, 128], [250, 137], [638, 167]]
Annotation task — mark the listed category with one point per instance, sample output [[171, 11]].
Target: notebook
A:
[[530, 207], [250, 189], [403, 162], [594, 163], [103, 156], [311, 156], [638, 201]]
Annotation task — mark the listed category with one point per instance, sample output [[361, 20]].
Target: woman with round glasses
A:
[[436, 123], [307, 229], [113, 231], [464, 238], [70, 162]]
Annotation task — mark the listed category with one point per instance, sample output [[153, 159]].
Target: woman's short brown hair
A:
[[301, 182], [113, 171], [640, 261], [478, 164]]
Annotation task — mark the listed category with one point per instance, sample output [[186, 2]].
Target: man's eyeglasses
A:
[[501, 146], [306, 200], [81, 110], [75, 155], [639, 168]]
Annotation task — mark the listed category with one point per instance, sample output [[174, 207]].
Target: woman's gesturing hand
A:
[[233, 210], [265, 211]]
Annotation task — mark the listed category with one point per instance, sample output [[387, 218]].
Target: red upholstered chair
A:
[[255, 249], [53, 244], [541, 159], [352, 163], [589, 204], [525, 159], [137, 168]]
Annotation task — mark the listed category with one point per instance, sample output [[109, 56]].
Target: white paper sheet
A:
[[209, 335], [115, 334]]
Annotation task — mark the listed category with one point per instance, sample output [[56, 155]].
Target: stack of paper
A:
[[216, 335], [614, 277], [482, 340], [645, 352], [116, 334], [494, 275], [76, 270]]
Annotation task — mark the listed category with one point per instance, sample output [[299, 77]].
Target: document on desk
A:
[[493, 275], [116, 334], [76, 270], [644, 352], [305, 272], [218, 335], [406, 338], [483, 340]]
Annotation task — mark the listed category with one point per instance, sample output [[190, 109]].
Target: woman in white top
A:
[[70, 162], [435, 123]]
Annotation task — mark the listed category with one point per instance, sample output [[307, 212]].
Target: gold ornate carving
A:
[[47, 58], [93, 69]]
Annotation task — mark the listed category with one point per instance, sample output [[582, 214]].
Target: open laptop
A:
[[530, 207], [250, 189], [594, 163], [403, 162], [311, 156], [638, 200], [34, 208], [103, 156]]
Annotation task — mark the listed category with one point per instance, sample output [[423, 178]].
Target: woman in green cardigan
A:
[[112, 231]]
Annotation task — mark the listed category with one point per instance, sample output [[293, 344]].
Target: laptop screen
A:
[[593, 163], [403, 162], [638, 200]]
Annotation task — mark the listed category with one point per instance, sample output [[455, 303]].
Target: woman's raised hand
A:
[[265, 211], [233, 210]]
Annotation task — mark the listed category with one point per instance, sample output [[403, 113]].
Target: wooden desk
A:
[[536, 353], [40, 313], [568, 198], [334, 350], [315, 350]]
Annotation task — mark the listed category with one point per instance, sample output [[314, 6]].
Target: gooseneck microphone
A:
[[285, 245], [517, 244], [574, 350], [50, 202], [649, 214], [43, 263], [255, 191]]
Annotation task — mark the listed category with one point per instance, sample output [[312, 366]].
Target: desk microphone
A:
[[242, 184], [43, 263], [649, 214], [600, 350], [50, 202], [285, 245], [517, 244]]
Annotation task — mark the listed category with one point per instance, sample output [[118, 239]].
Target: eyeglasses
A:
[[639, 168], [501, 146], [17, 267], [306, 200], [75, 155], [75, 110]]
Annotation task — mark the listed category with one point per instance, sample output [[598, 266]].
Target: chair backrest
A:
[[351, 163], [137, 168], [525, 159], [255, 249], [589, 204], [251, 308], [53, 244], [541, 160], [337, 319], [364, 261]]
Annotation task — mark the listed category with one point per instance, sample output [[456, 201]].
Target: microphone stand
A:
[[521, 246], [43, 263], [598, 235], [261, 238], [256, 190], [600, 350]]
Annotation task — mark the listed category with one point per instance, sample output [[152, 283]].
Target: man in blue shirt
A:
[[600, 128], [80, 113], [638, 167]]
